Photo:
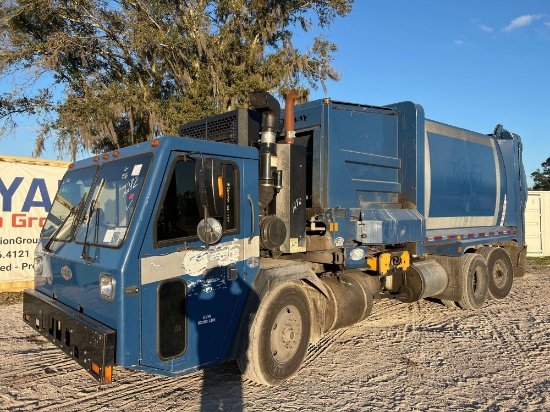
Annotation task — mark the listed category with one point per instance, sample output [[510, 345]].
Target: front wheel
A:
[[279, 336]]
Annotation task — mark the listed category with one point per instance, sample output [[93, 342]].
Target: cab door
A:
[[191, 295]]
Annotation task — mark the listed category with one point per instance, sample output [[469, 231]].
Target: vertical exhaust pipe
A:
[[290, 133], [271, 111]]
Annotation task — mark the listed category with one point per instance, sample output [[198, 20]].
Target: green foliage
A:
[[542, 260], [131, 70], [542, 178]]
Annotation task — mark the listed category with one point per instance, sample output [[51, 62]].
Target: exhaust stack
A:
[[290, 133], [271, 111]]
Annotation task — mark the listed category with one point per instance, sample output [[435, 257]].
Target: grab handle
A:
[[253, 219]]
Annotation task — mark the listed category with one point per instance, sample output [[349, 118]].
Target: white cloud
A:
[[547, 23], [459, 42], [522, 21], [486, 28]]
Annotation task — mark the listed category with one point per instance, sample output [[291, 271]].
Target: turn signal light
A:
[[155, 143]]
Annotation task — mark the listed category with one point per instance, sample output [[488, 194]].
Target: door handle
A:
[[253, 224]]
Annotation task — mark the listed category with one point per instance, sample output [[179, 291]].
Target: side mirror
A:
[[209, 231], [209, 186]]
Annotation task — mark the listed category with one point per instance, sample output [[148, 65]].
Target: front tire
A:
[[279, 336]]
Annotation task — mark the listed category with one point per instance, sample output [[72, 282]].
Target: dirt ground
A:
[[419, 356]]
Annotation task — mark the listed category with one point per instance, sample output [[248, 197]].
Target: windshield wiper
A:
[[53, 237], [93, 204]]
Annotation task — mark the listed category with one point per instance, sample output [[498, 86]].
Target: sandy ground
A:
[[420, 356]]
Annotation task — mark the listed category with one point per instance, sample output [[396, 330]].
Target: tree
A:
[[542, 179], [130, 70]]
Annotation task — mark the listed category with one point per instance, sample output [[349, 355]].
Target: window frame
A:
[[77, 218], [158, 244], [149, 155]]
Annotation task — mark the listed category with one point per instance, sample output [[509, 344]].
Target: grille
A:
[[219, 130], [236, 127]]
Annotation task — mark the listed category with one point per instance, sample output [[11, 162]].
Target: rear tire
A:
[[279, 336], [474, 281], [501, 272], [451, 304]]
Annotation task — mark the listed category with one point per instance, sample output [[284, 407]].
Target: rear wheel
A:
[[279, 336], [451, 304], [501, 272], [474, 281]]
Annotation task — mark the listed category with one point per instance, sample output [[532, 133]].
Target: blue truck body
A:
[[383, 158], [367, 202]]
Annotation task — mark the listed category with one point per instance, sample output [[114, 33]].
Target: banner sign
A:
[[27, 189]]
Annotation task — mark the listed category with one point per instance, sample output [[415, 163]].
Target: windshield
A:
[[114, 199], [68, 203]]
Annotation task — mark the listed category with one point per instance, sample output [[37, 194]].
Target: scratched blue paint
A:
[[463, 177], [362, 155]]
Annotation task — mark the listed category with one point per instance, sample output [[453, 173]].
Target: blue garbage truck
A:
[[254, 232]]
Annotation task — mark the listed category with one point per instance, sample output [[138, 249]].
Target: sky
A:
[[470, 63]]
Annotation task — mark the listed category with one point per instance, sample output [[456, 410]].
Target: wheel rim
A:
[[286, 334], [500, 275]]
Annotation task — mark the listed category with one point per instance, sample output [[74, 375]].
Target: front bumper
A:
[[90, 343]]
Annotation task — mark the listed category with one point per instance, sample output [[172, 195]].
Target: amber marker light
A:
[[71, 165], [116, 153], [155, 143], [105, 156], [108, 373], [459, 238], [27, 317], [96, 158], [220, 187], [95, 369], [326, 101]]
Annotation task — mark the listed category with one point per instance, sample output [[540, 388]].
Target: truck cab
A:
[[121, 248]]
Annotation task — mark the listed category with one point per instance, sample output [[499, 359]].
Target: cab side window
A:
[[179, 214]]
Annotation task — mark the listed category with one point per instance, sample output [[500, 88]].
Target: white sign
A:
[[27, 189]]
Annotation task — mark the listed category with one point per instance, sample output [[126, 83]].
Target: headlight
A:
[[106, 286], [38, 265]]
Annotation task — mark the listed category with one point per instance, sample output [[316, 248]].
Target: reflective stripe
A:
[[471, 235]]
